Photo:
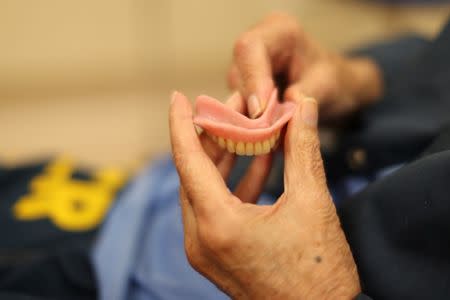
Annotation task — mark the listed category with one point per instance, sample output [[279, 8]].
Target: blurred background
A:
[[92, 79]]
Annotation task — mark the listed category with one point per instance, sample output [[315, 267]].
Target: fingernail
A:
[[310, 114], [254, 107]]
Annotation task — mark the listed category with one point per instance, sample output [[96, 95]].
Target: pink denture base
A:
[[219, 120]]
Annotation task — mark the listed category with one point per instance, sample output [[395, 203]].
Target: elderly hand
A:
[[293, 249], [279, 46]]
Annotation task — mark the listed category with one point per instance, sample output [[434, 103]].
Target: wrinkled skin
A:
[[278, 45], [293, 249]]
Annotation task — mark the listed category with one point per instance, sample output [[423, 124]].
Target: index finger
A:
[[254, 67], [199, 176], [264, 51]]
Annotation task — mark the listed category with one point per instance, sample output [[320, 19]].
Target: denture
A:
[[236, 132]]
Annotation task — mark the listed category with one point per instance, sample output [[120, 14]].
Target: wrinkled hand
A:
[[279, 46], [293, 249]]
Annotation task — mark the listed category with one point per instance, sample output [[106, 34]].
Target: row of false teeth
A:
[[247, 148]]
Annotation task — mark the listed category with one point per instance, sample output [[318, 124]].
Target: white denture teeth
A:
[[247, 148]]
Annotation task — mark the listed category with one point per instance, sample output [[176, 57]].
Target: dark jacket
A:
[[399, 226]]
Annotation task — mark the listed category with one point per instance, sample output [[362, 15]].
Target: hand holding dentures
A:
[[293, 249], [279, 47]]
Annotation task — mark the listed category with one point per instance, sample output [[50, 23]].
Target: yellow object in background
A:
[[71, 204]]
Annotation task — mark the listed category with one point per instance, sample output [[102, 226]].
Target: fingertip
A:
[[257, 102], [293, 94], [264, 159], [302, 146], [180, 120], [173, 97], [302, 129], [236, 102], [306, 113], [180, 105]]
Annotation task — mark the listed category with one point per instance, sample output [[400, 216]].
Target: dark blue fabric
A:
[[412, 112]]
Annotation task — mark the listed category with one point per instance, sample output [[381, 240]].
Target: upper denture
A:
[[219, 120]]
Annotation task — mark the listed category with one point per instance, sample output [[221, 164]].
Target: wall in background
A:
[[92, 78], [102, 44]]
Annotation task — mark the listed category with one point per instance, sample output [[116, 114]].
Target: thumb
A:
[[303, 162]]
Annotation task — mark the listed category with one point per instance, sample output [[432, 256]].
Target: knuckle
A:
[[307, 141], [326, 75], [217, 241], [314, 163], [328, 68], [309, 155], [279, 16], [244, 44], [224, 242], [289, 22], [309, 144]]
